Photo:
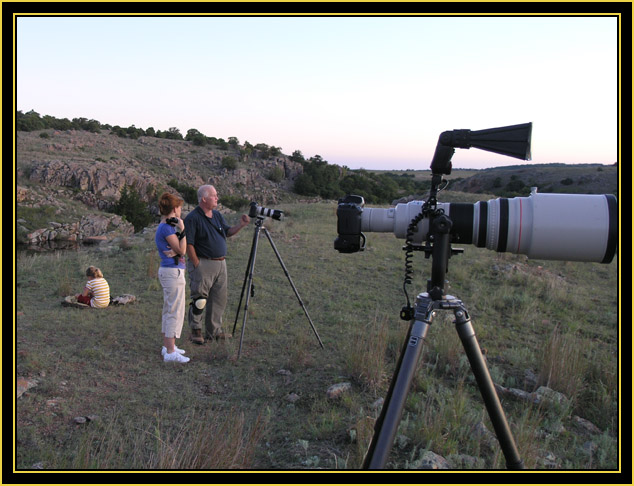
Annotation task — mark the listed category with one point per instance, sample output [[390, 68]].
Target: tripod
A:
[[426, 307], [250, 289]]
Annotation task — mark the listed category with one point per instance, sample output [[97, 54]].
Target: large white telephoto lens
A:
[[569, 227]]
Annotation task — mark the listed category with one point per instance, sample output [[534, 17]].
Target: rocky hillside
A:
[[68, 175], [69, 180]]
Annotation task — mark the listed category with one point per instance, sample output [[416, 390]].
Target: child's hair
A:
[[168, 202], [94, 272]]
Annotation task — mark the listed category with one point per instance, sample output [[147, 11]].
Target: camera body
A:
[[260, 212], [349, 213], [172, 221]]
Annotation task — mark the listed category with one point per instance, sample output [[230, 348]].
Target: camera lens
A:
[[259, 211], [575, 227], [568, 227]]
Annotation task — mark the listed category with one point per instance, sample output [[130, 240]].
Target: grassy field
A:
[[269, 410]]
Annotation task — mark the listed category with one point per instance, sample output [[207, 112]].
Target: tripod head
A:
[[438, 243], [514, 141]]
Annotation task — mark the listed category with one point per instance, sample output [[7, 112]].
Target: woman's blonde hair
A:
[[94, 272], [168, 202]]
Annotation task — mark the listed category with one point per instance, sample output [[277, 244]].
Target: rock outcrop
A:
[[90, 226], [93, 168], [97, 166]]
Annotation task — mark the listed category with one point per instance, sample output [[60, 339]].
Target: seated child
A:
[[97, 291]]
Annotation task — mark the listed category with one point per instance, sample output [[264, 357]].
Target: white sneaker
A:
[[176, 357], [176, 349]]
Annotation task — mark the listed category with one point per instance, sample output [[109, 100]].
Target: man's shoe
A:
[[222, 335], [197, 336]]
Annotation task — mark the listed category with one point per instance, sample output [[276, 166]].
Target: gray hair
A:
[[203, 191]]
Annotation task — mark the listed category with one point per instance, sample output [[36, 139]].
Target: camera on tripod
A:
[[546, 226], [260, 212], [248, 288], [571, 227]]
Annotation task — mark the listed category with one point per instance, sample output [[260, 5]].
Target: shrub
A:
[[276, 174], [229, 163], [190, 195], [234, 202], [133, 208]]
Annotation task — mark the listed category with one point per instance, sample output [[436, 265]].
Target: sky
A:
[[361, 92]]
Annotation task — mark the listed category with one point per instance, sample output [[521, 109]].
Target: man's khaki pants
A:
[[208, 281]]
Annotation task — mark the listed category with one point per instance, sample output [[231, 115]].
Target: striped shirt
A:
[[100, 292]]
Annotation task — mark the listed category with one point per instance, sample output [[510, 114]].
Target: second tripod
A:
[[248, 282]]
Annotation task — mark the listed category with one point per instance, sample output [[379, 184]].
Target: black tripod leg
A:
[[288, 276], [487, 389], [387, 423], [248, 284], [244, 285]]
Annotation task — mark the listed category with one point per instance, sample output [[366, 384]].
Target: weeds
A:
[[366, 355], [219, 412], [563, 365]]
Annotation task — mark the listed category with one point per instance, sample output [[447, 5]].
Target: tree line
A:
[[319, 178]]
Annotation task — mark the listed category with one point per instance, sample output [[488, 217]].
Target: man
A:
[[207, 232]]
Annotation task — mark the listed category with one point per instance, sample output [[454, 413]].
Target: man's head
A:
[[207, 197]]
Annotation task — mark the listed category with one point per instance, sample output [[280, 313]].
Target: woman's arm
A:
[[179, 246]]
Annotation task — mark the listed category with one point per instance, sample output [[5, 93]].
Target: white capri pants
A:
[[173, 283]]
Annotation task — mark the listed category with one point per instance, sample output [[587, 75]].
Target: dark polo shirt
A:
[[207, 235]]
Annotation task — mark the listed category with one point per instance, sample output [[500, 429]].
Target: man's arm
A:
[[244, 221], [192, 256]]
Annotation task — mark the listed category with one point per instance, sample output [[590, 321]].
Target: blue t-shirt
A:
[[162, 232]]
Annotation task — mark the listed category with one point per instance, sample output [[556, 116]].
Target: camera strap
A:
[[218, 227]]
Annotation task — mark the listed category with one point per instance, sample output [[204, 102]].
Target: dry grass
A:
[[366, 360], [563, 365], [211, 440], [558, 319]]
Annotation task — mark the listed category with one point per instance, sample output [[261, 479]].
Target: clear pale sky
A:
[[372, 92]]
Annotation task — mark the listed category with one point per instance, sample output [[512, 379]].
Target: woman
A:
[[172, 244]]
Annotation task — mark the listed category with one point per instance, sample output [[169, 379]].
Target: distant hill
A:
[[517, 180]]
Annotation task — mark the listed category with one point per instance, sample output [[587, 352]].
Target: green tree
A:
[[193, 134], [297, 156], [133, 208], [515, 184], [229, 163], [190, 194], [27, 122], [174, 133], [263, 150], [305, 186]]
